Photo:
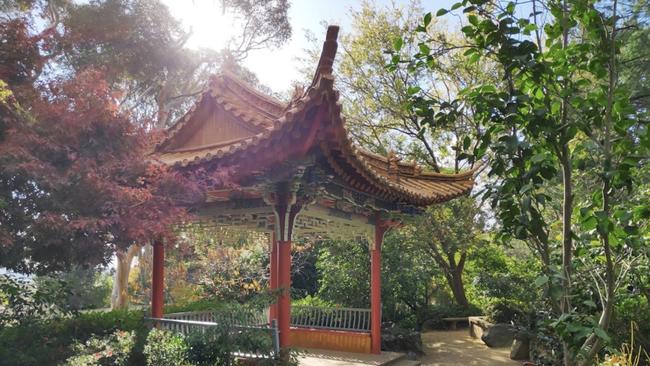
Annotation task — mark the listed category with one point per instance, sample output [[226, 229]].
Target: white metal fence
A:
[[352, 319], [203, 322]]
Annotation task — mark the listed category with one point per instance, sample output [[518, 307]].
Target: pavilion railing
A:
[[265, 346], [351, 319], [239, 317]]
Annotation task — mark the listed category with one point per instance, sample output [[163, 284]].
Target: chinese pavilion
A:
[[298, 173]]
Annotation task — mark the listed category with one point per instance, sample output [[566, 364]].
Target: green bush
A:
[[312, 301], [505, 311], [23, 302], [199, 305], [112, 350], [50, 342], [431, 316], [208, 349], [164, 348], [633, 310]]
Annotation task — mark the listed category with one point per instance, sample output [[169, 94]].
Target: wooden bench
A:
[[454, 321]]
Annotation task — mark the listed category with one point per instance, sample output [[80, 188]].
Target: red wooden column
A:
[[285, 208], [284, 283], [375, 285], [157, 280], [273, 276]]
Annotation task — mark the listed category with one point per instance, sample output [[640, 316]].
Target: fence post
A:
[[276, 338]]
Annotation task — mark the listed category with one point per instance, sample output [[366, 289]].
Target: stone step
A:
[[406, 362]]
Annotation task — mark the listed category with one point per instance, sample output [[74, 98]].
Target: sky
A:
[[275, 68]]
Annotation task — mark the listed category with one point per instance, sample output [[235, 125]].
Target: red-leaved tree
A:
[[77, 180]]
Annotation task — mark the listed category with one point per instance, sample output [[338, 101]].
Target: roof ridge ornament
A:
[[326, 61], [393, 164]]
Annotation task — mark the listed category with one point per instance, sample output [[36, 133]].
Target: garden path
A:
[[457, 348]]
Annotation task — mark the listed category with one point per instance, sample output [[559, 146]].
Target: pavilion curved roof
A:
[[232, 124]]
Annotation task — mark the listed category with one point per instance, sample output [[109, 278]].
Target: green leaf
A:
[[412, 90], [538, 158], [468, 29], [541, 280], [427, 19], [589, 223], [398, 43], [456, 6], [600, 332], [442, 12]]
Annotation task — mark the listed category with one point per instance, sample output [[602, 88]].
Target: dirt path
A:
[[457, 348]]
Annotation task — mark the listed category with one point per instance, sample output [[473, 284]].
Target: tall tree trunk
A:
[[455, 280], [120, 294]]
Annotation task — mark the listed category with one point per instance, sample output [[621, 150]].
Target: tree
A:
[[139, 47], [448, 233], [560, 116], [374, 98], [64, 150], [344, 273], [64, 144]]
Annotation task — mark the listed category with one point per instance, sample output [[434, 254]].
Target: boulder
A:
[[499, 335], [397, 339], [520, 349]]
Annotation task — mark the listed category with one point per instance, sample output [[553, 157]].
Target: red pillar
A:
[[375, 287], [286, 208], [273, 278], [157, 280], [284, 283]]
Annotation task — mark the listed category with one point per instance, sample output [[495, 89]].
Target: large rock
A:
[[499, 335], [520, 349], [395, 339]]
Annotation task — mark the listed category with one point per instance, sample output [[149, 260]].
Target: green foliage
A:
[[448, 233], [214, 346], [431, 316], [111, 350], [559, 126], [632, 312], [50, 341], [198, 305], [407, 274], [504, 311], [344, 273], [85, 288], [312, 301], [221, 263], [498, 273], [22, 301], [164, 348]]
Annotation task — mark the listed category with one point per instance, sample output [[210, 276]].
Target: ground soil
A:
[[456, 348]]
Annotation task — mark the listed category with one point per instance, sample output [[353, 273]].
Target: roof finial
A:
[[329, 52]]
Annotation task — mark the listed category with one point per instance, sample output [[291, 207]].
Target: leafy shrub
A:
[[21, 301], [199, 305], [83, 288], [632, 310], [50, 342], [113, 349], [310, 300], [505, 311], [207, 349], [629, 353], [214, 347], [431, 316], [164, 348]]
